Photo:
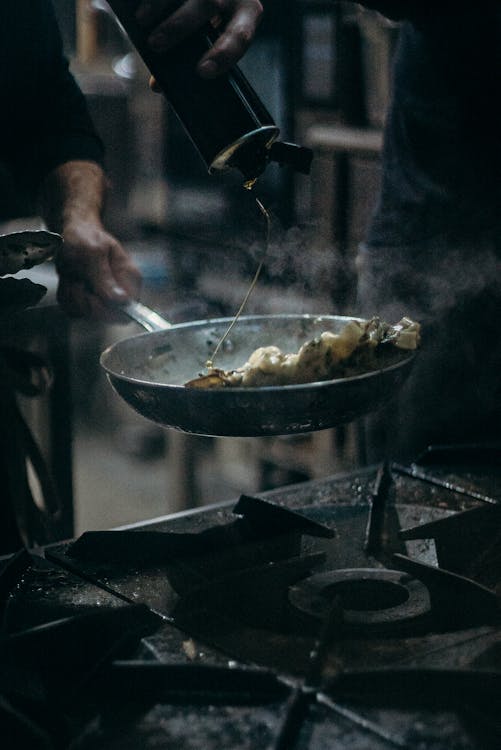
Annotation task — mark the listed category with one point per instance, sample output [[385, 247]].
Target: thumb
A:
[[103, 283]]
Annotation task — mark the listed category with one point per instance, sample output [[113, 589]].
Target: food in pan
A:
[[361, 346]]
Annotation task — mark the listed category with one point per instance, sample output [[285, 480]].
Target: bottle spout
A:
[[254, 156], [299, 158]]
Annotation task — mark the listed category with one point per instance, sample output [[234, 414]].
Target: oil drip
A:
[[210, 362]]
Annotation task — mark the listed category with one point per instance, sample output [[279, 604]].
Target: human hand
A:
[[95, 272], [169, 23]]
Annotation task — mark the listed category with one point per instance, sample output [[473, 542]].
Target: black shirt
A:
[[44, 119], [442, 152]]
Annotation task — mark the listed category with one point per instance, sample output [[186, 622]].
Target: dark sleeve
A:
[[45, 121], [66, 132]]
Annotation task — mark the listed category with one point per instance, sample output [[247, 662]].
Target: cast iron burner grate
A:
[[327, 612]]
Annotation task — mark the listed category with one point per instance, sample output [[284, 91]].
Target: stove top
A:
[[358, 611]]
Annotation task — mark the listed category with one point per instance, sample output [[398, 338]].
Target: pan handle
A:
[[145, 316]]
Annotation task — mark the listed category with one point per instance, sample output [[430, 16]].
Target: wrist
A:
[[74, 195], [78, 220]]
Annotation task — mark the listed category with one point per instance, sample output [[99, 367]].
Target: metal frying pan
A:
[[148, 372]]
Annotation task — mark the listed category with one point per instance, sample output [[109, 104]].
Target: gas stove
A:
[[356, 611]]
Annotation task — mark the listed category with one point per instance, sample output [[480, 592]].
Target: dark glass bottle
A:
[[224, 117]]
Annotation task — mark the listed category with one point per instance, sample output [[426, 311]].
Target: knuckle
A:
[[235, 44], [243, 36], [258, 8]]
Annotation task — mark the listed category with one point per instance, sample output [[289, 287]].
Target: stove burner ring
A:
[[371, 598]]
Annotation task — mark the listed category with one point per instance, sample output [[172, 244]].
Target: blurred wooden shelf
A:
[[345, 139]]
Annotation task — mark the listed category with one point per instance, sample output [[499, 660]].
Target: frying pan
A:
[[148, 371]]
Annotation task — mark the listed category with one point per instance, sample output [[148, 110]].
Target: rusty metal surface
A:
[[403, 688]]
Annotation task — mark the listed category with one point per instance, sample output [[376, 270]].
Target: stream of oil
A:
[[210, 362]]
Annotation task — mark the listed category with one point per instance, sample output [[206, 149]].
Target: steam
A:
[[424, 282], [453, 393], [304, 273]]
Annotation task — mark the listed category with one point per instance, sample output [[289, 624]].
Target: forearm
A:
[[95, 272], [73, 192]]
